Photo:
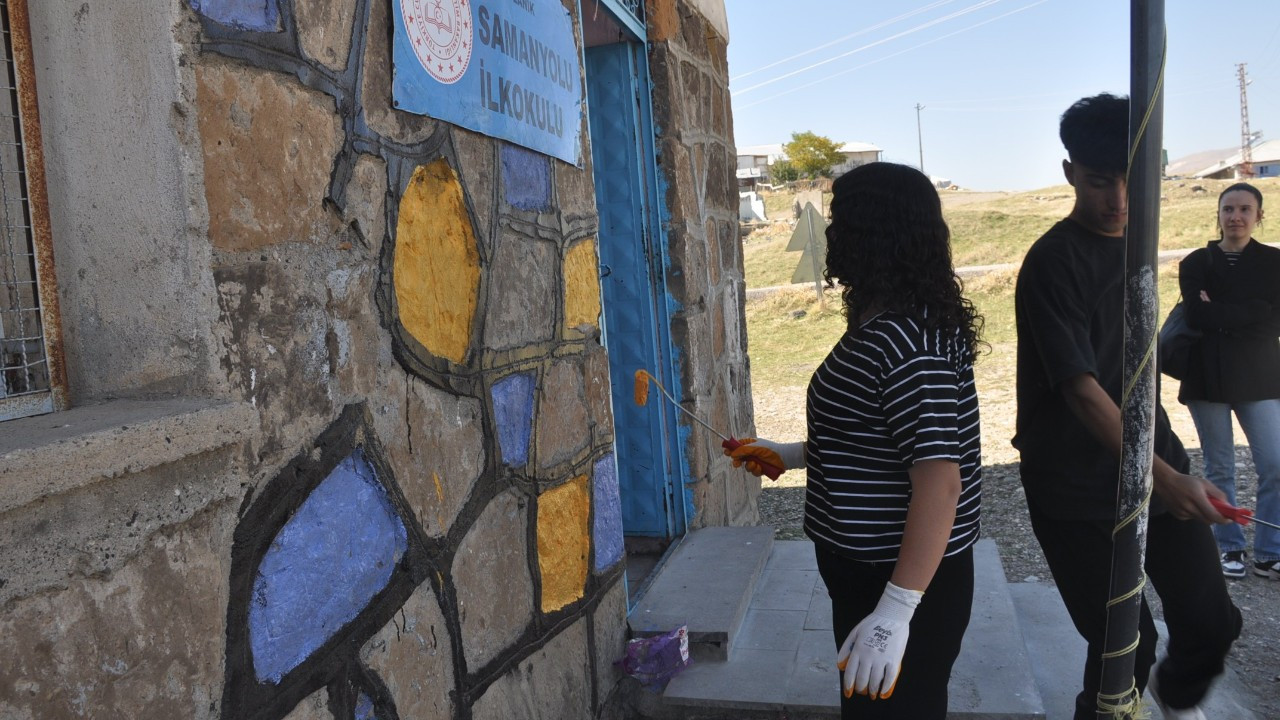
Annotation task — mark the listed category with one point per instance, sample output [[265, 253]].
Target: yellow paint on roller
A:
[[564, 543], [437, 268], [642, 388], [581, 286]]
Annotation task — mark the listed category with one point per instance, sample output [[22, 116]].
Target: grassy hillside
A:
[[996, 228], [789, 333]]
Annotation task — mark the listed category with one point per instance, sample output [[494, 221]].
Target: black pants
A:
[[933, 643], [1183, 567]]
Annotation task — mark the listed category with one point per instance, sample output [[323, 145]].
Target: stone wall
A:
[[696, 156], [343, 436]]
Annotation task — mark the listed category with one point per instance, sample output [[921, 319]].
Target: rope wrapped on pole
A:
[[1118, 696]]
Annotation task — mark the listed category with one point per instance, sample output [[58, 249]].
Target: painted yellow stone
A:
[[581, 286], [437, 268], [564, 543]]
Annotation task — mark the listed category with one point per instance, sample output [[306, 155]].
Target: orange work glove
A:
[[765, 457]]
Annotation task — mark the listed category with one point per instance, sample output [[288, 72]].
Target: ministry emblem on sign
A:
[[440, 33]]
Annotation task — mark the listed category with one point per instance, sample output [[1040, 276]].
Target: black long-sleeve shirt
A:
[[1238, 357]]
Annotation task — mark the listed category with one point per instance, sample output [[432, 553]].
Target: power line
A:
[[850, 36], [761, 101], [1268, 59], [924, 26]]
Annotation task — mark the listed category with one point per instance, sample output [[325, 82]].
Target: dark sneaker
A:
[[1233, 564], [1269, 569], [1191, 713]]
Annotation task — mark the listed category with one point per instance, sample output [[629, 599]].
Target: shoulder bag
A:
[[1176, 338]]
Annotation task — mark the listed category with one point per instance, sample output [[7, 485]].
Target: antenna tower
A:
[[1246, 138]]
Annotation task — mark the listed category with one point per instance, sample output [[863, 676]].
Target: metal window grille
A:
[[630, 12], [635, 7], [31, 375]]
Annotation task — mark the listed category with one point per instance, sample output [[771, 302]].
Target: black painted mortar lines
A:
[[279, 52]]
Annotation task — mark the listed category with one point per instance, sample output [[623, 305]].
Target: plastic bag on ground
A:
[[655, 660]]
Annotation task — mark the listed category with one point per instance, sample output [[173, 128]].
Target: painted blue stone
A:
[[513, 414], [328, 561], [364, 708], [606, 531], [259, 15], [526, 178]]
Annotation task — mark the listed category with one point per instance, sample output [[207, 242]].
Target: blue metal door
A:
[[631, 283]]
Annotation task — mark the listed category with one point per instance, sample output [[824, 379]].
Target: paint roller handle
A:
[[771, 471]]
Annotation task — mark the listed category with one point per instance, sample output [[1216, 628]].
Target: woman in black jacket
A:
[[1231, 293]]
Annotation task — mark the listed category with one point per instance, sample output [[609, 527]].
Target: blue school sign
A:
[[506, 68]]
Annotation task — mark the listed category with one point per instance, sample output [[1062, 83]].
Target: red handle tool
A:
[[771, 471], [1240, 515]]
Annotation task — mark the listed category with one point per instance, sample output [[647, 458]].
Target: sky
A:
[[993, 77]]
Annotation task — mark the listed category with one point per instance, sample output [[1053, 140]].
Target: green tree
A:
[[783, 171], [813, 155]]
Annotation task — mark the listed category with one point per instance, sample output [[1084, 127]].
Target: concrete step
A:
[[784, 658], [1057, 658], [707, 585]]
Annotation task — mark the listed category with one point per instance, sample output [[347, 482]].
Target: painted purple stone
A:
[[364, 708], [258, 15], [326, 564], [526, 179], [606, 531], [513, 414]]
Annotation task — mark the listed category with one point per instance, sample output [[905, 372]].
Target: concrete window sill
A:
[[52, 454]]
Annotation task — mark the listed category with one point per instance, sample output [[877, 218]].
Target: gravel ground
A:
[[1256, 656]]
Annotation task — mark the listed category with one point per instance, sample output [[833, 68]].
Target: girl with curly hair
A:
[[893, 452]]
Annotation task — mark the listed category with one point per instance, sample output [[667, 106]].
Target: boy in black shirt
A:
[[1070, 305]]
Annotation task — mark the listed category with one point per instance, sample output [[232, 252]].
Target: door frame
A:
[[675, 436]]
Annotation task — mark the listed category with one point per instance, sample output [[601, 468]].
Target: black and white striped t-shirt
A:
[[893, 396]]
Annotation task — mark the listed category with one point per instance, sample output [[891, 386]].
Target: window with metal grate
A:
[[32, 379]]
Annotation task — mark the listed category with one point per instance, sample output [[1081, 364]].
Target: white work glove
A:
[[871, 656]]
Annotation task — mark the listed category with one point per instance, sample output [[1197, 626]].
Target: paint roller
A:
[[643, 378]]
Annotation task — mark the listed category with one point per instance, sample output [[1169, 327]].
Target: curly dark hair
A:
[[889, 248]]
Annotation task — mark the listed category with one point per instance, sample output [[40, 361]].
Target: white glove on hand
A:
[[765, 457], [791, 454], [871, 656]]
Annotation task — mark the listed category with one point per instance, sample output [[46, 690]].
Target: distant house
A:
[[754, 161], [1266, 163], [856, 153], [1189, 165]]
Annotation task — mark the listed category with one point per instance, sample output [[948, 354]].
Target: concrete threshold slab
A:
[[706, 584], [784, 658]]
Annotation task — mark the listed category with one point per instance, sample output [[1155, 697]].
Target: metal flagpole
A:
[[1117, 694]]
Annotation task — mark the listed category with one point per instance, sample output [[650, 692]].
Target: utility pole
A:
[[1246, 138], [919, 137], [1118, 696]]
